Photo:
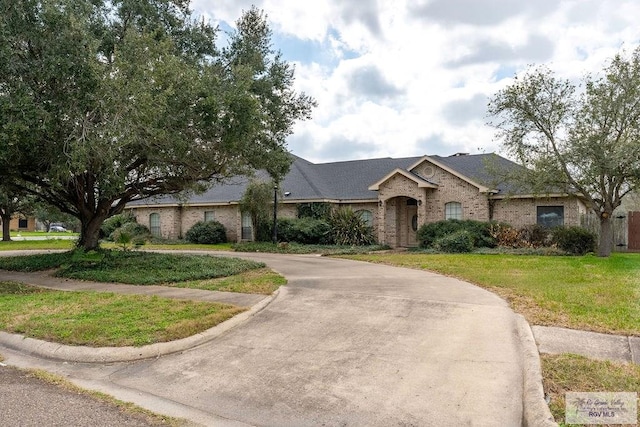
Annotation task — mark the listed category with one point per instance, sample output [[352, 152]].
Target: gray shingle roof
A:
[[348, 180]]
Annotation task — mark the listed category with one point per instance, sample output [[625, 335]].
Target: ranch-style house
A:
[[394, 195]]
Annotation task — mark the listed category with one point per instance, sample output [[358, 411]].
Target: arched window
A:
[[453, 210], [154, 224], [366, 216]]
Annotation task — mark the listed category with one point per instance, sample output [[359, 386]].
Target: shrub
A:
[[263, 229], [113, 223], [535, 236], [315, 210], [130, 233], [480, 232], [575, 240], [460, 241], [348, 228], [306, 230], [207, 232], [505, 235]]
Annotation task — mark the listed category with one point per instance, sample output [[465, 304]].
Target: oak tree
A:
[[579, 139], [103, 102]]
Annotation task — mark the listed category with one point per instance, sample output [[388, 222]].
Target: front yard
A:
[[578, 292], [107, 319]]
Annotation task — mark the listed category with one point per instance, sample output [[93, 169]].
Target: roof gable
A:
[[451, 170], [422, 183]]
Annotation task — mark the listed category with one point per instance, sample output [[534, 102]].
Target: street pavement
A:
[[344, 343]]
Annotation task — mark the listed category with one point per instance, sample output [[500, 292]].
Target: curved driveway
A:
[[345, 343]]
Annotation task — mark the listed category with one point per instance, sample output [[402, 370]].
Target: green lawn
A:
[[15, 233], [590, 293], [22, 245], [104, 319], [107, 319]]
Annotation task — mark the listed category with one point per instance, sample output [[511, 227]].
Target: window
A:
[[154, 224], [550, 216], [453, 210], [208, 216], [366, 216], [246, 226], [23, 223]]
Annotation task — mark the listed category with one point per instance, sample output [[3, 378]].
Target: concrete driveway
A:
[[345, 343]]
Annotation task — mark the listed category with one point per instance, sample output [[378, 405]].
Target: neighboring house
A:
[[22, 223], [395, 196]]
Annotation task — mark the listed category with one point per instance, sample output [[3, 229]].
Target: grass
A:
[[588, 292], [124, 407], [260, 281], [16, 233], [104, 319], [21, 245], [566, 372]]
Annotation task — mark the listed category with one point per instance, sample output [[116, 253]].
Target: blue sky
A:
[[396, 78]]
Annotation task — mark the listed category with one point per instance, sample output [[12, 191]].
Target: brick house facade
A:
[[396, 196]]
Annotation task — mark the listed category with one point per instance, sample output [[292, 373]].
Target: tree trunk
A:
[[606, 235], [89, 239], [6, 228]]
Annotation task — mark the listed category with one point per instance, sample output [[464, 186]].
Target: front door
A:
[[412, 226]]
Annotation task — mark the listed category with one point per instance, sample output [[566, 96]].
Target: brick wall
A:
[[475, 205], [227, 215], [169, 220], [521, 212]]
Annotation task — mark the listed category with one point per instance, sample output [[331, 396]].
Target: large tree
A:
[[576, 138], [107, 101], [12, 201]]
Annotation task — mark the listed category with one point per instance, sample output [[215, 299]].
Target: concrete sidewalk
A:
[[345, 343], [617, 348]]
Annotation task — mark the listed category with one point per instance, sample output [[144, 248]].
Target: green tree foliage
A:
[[257, 200], [48, 214], [583, 139], [315, 210], [106, 102]]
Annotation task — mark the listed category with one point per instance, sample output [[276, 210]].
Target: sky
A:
[[403, 78]]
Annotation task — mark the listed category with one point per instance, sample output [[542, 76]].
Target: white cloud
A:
[[406, 78]]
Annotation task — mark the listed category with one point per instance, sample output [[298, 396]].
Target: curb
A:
[[536, 412], [69, 353]]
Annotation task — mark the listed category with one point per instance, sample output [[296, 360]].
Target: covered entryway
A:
[[402, 199], [401, 218]]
